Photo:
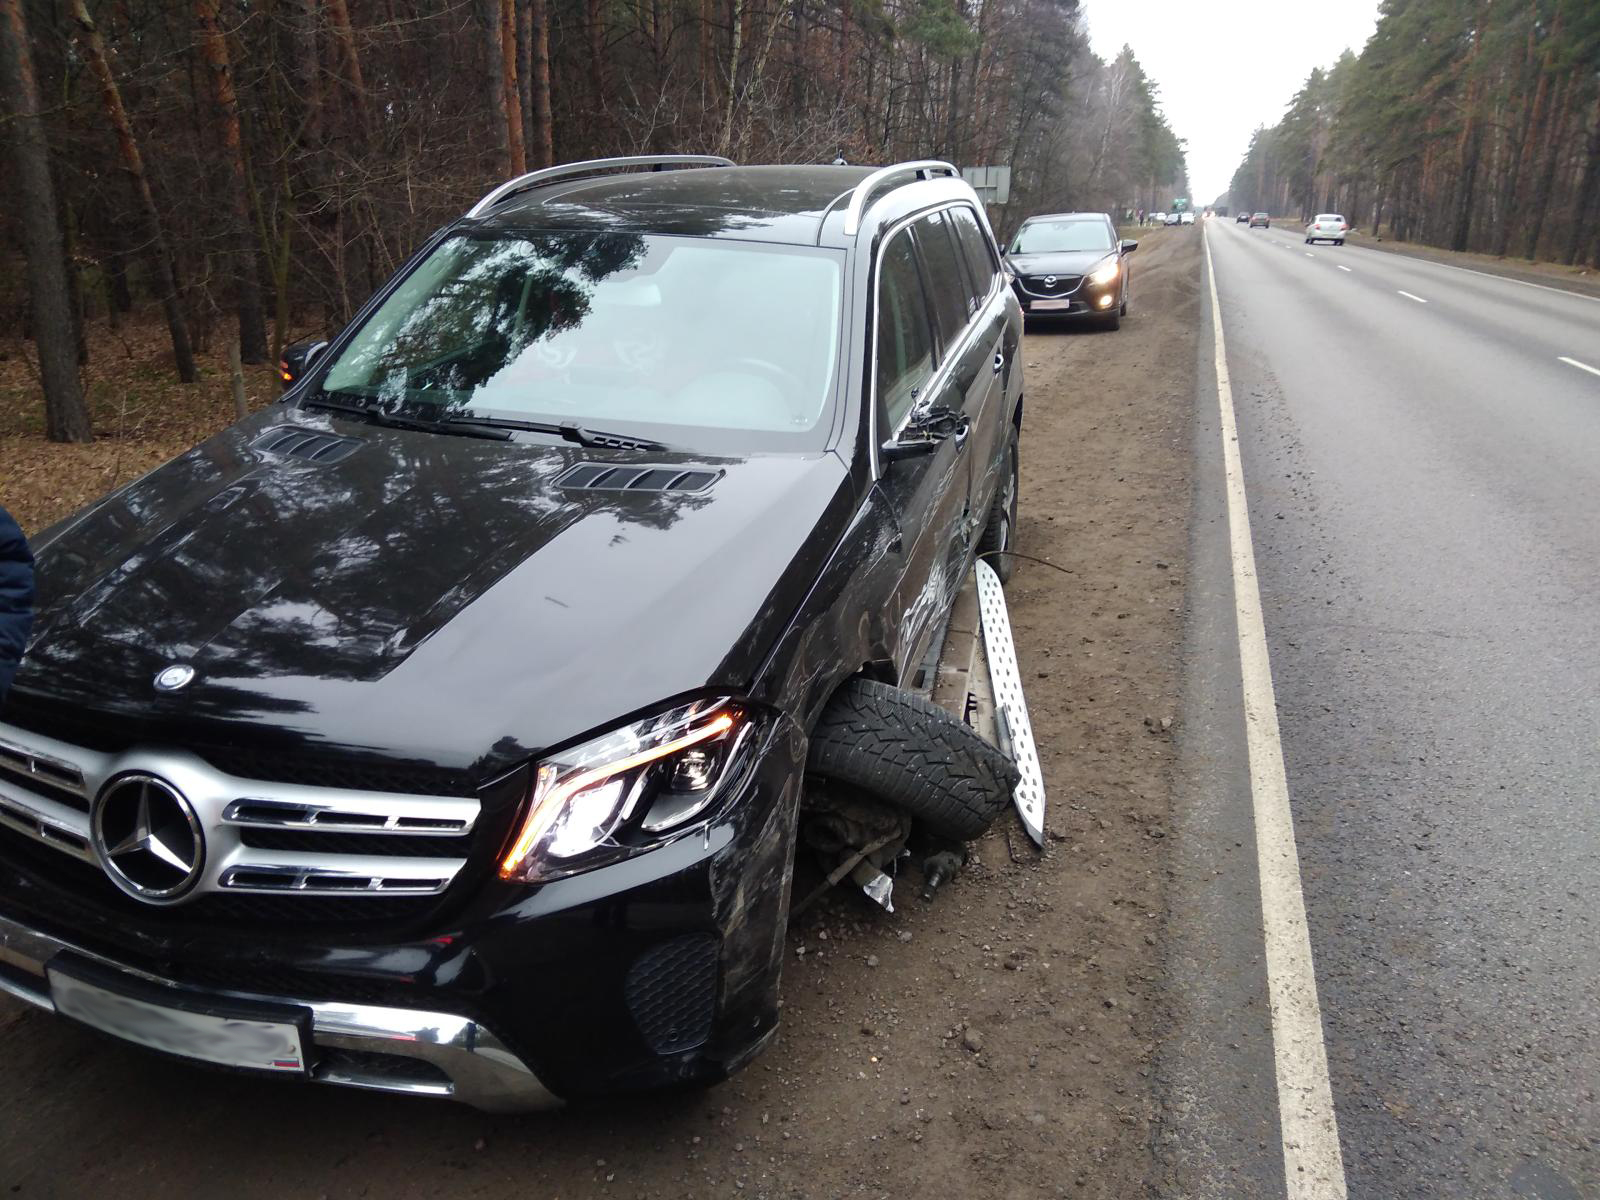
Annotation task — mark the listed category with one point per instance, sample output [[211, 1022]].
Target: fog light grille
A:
[[672, 993]]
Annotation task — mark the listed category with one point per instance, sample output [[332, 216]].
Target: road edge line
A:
[[1313, 1165]]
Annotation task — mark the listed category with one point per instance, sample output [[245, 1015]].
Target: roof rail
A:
[[925, 168], [594, 166]]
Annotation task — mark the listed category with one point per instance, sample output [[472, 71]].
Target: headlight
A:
[[626, 791], [1105, 274]]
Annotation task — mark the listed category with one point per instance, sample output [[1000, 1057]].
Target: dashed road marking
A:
[[1572, 362], [1409, 296], [1309, 254], [1342, 268], [1313, 1166], [1543, 287]]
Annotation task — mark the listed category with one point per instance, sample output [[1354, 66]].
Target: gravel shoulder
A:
[[996, 1042]]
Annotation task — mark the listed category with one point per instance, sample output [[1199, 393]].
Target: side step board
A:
[[1011, 709]]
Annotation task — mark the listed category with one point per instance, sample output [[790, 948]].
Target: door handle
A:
[[999, 362]]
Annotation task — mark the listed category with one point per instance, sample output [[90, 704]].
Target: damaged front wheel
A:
[[909, 752]]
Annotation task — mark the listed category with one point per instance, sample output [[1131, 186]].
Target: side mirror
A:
[[924, 434], [1128, 246], [297, 359], [893, 451]]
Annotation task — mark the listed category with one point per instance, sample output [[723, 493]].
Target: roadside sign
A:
[[993, 184]]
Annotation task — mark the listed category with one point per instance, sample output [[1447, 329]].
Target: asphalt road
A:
[[1423, 468]]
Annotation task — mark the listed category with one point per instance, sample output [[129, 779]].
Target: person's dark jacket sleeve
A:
[[16, 598]]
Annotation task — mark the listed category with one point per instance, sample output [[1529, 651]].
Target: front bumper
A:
[[658, 971], [1085, 302], [359, 1045]]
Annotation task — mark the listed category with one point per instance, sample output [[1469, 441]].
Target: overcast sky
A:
[[1225, 69]]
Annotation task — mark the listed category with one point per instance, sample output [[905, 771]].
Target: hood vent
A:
[[307, 444], [604, 477]]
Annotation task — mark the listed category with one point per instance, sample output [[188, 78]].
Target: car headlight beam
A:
[[643, 780], [1104, 275]]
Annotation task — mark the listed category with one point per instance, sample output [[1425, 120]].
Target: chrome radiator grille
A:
[[252, 836]]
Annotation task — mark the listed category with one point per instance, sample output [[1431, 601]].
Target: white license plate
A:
[[228, 1036], [1050, 305]]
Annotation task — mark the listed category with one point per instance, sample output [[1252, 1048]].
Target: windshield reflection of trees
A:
[[508, 294]]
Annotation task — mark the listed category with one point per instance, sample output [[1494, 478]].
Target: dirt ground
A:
[[996, 1042]]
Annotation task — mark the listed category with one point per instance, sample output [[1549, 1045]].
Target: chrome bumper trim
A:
[[476, 1067]]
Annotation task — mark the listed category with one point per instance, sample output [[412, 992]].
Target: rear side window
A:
[[947, 279], [980, 259], [905, 339]]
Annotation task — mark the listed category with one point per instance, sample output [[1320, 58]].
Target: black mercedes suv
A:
[[442, 729]]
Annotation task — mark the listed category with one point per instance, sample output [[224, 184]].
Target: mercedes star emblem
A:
[[148, 838], [171, 679]]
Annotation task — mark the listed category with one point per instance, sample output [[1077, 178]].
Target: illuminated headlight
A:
[[626, 791], [1105, 274]]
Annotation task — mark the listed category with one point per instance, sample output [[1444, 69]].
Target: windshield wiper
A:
[[449, 426], [570, 430]]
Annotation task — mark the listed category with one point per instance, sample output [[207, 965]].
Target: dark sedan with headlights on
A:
[[1071, 265]]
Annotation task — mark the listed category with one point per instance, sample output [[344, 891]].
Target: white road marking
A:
[[1543, 287], [1342, 268], [1409, 296], [1313, 1167], [1572, 362], [1309, 254]]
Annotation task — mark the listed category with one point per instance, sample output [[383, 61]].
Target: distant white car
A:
[[1186, 218], [1173, 218], [1328, 227]]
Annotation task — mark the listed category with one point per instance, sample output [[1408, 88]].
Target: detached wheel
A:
[[1000, 527], [909, 752]]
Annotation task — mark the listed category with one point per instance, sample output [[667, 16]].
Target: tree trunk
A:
[[524, 22], [1539, 207], [164, 268], [597, 53], [543, 140], [66, 415], [494, 79], [344, 36], [246, 277], [511, 93], [1583, 220]]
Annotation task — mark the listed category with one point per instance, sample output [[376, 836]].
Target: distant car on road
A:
[[1242, 218], [1071, 265], [1173, 218], [1186, 218], [1328, 227], [1261, 219]]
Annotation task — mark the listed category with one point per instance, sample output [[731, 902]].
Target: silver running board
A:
[[1011, 709]]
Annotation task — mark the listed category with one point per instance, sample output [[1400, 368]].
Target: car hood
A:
[[440, 598], [1068, 262]]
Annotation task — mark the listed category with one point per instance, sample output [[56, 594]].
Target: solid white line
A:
[[1313, 1167], [1342, 268], [1409, 296], [1572, 362]]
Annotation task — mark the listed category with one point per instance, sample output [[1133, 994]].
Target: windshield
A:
[[1057, 237], [722, 346], [1329, 219]]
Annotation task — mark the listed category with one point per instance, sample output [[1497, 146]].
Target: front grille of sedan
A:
[[1059, 285], [271, 850]]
